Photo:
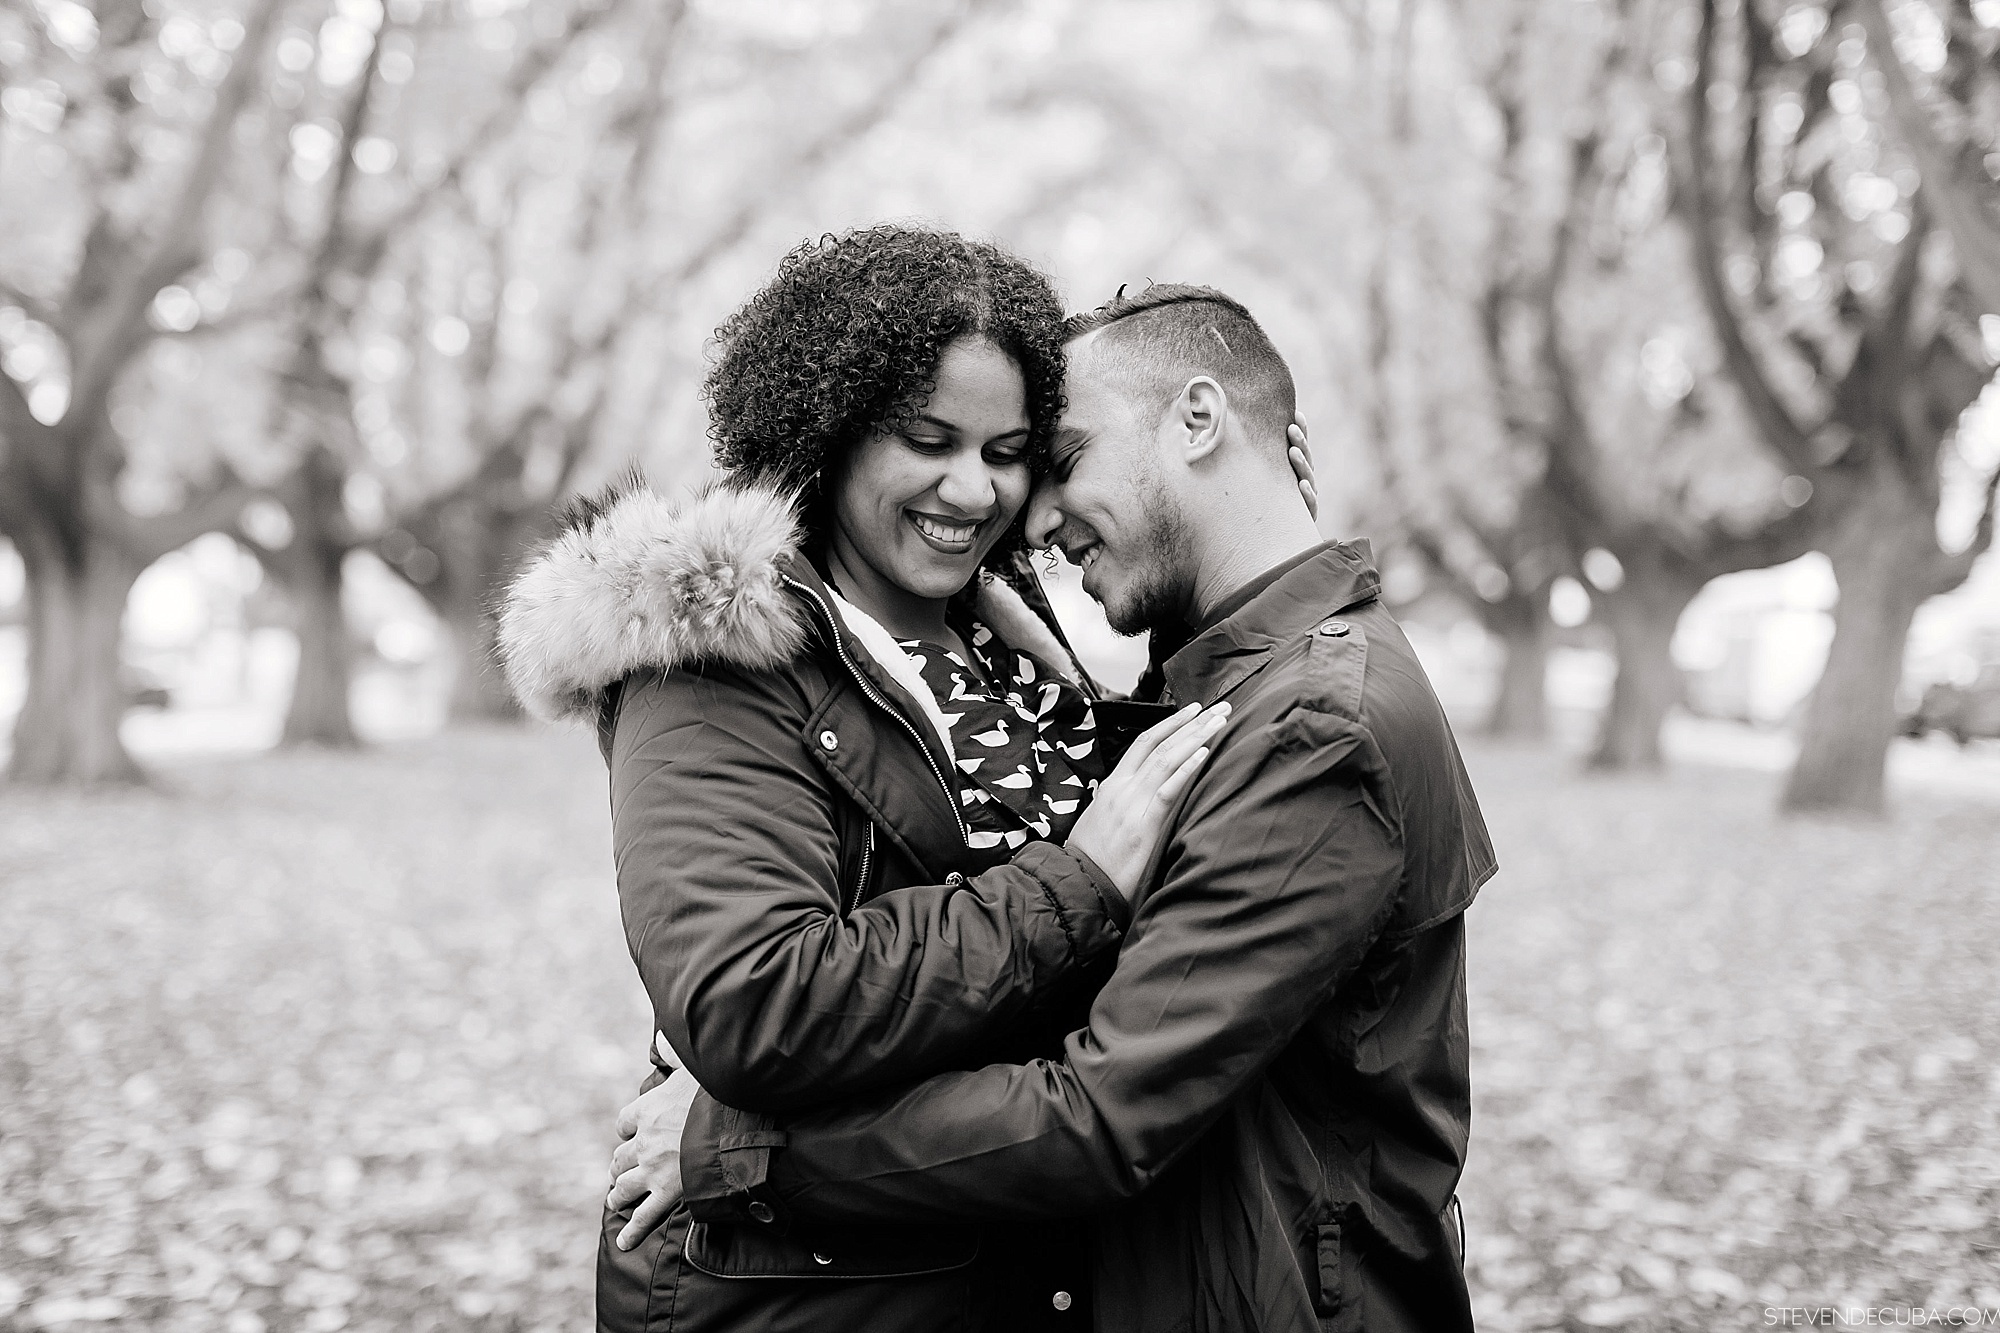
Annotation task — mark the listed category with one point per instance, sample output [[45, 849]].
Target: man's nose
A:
[[1045, 516], [967, 484]]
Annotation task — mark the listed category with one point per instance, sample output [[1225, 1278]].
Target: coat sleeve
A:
[[728, 865], [1282, 875]]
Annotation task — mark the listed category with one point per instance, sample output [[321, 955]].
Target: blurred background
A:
[[1652, 344]]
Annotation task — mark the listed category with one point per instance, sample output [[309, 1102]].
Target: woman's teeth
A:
[[939, 532], [1090, 558]]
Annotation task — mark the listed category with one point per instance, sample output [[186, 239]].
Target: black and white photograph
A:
[[972, 666]]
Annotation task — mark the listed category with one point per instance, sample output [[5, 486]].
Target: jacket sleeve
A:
[[1282, 875], [728, 865]]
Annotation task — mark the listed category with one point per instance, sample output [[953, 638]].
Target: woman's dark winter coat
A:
[[798, 895]]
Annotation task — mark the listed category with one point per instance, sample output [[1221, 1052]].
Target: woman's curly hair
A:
[[845, 340]]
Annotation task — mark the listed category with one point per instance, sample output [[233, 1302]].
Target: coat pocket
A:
[[725, 1250]]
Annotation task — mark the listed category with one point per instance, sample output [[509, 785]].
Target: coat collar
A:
[[1340, 576]]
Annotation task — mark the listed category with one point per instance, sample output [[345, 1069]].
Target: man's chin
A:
[[1130, 613]]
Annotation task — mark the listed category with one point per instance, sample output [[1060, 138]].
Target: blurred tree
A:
[[356, 241], [1625, 462], [1637, 464], [602, 289], [1846, 312], [146, 145]]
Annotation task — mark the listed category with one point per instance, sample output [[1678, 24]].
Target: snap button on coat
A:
[[829, 742], [1333, 629], [1061, 1300], [761, 1211]]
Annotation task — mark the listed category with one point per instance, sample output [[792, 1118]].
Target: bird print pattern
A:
[[1026, 742]]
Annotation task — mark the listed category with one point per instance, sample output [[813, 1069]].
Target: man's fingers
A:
[[628, 1119], [628, 1189], [624, 1157], [645, 1217]]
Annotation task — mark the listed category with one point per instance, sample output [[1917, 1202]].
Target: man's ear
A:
[[1200, 411]]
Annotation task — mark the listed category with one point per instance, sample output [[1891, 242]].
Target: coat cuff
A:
[[726, 1166], [1092, 910]]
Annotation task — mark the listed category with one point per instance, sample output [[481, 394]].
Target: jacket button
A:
[[819, 1258], [1335, 629], [829, 742], [1061, 1300], [762, 1211]]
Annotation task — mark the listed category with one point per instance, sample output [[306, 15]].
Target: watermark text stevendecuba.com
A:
[[1880, 1316]]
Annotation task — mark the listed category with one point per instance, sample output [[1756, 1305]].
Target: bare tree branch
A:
[[114, 328], [148, 537], [1974, 231], [1780, 431], [530, 71]]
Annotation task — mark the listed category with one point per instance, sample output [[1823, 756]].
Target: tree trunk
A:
[[1642, 615], [319, 713], [1521, 706], [478, 691], [1882, 562], [68, 727], [311, 571]]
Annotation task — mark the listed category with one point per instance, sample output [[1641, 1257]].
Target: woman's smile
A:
[[949, 536]]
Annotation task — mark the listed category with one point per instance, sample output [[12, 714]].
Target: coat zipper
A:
[[950, 796], [867, 857]]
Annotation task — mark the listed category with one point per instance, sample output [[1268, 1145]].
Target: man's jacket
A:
[[1269, 1104]]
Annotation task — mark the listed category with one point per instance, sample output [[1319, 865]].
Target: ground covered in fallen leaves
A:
[[322, 1041]]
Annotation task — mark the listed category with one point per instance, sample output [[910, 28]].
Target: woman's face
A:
[[917, 509]]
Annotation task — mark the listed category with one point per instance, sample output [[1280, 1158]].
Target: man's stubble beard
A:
[[1162, 587]]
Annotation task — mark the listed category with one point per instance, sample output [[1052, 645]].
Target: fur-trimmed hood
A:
[[636, 580]]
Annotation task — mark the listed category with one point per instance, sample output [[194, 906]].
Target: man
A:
[[1268, 1110]]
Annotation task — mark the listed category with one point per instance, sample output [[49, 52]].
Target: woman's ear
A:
[[1200, 411]]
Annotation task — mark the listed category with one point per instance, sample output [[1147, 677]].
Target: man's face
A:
[[1111, 504]]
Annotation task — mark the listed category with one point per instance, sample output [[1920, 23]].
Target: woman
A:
[[849, 757]]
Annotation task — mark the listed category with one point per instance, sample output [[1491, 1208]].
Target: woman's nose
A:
[[967, 484]]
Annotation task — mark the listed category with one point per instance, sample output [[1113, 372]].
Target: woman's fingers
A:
[[1170, 790], [1172, 752], [1149, 740], [1302, 467]]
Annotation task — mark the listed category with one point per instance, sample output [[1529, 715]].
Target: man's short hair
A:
[[1158, 339]]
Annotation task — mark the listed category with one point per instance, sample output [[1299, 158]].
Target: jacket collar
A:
[[1341, 575]]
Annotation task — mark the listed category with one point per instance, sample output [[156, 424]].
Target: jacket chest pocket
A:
[[902, 789], [851, 1254]]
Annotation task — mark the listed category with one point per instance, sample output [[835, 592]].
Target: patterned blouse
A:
[[1024, 736]]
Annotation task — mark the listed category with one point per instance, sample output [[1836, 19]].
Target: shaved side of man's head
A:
[[1152, 343]]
